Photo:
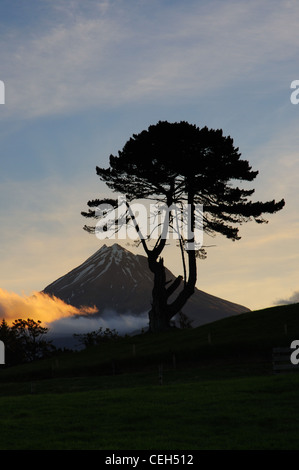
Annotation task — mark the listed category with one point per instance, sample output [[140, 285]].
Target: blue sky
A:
[[82, 76]]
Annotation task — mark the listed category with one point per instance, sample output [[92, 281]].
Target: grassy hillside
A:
[[239, 345], [218, 391]]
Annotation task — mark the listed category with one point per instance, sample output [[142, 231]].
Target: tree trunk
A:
[[158, 320], [158, 315], [161, 312]]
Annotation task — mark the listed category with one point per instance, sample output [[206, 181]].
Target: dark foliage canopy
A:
[[180, 162]]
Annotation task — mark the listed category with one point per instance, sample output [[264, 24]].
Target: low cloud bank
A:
[[291, 300], [37, 306], [122, 323], [64, 320]]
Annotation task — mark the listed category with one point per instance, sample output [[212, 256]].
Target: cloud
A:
[[64, 321], [293, 299], [122, 323], [54, 70], [108, 54], [37, 306]]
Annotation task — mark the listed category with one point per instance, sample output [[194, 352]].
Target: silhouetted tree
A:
[[179, 163], [24, 341], [99, 336], [13, 354], [29, 336]]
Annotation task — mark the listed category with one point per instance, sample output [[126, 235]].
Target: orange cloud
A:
[[38, 306]]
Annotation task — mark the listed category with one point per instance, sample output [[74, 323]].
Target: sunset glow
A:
[[37, 306]]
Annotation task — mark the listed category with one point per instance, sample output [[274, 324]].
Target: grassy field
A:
[[218, 392]]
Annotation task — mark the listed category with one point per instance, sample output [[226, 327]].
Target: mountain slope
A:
[[114, 279]]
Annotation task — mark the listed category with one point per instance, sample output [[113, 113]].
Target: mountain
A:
[[115, 280]]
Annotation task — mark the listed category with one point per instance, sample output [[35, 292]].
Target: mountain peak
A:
[[115, 252], [108, 279], [115, 279]]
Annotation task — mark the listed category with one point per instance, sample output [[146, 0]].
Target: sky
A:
[[81, 77]]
